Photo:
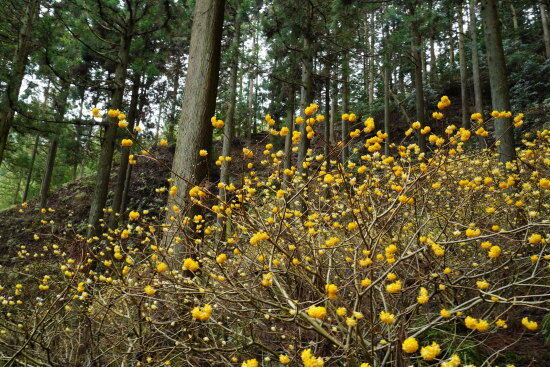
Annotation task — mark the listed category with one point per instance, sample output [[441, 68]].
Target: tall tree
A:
[[498, 78], [195, 128], [11, 95]]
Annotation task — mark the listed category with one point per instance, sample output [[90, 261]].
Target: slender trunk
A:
[[418, 85], [451, 48], [333, 105], [515, 22], [546, 33], [29, 174], [170, 135], [387, 77], [127, 181], [199, 100], [11, 94], [78, 134], [306, 97], [463, 66], [345, 108], [251, 112], [290, 125], [16, 192], [125, 152], [229, 127], [101, 188], [326, 127], [475, 58], [371, 65], [423, 61], [498, 78], [61, 106], [433, 64]]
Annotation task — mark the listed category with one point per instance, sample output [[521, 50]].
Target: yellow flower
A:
[[122, 124], [531, 325], [535, 238], [113, 113], [162, 267], [494, 252], [133, 215], [430, 352], [470, 322], [366, 282], [394, 287], [316, 312], [437, 115], [284, 359], [386, 317], [191, 264], [350, 321], [328, 178], [482, 284], [202, 313], [149, 290], [410, 345], [332, 290], [309, 360], [445, 313], [126, 142], [221, 258], [341, 311], [495, 114], [423, 296], [476, 116]]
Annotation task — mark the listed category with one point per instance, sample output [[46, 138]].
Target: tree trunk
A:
[[326, 127], [306, 97], [16, 192], [498, 78], [29, 175], [433, 64], [451, 49], [345, 108], [229, 127], [199, 100], [334, 105], [19, 62], [170, 134], [475, 58], [463, 66], [418, 85], [251, 112], [125, 152], [60, 106], [387, 77], [290, 125], [371, 65], [101, 188], [546, 33]]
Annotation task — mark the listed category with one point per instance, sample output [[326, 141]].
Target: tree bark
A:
[[463, 66], [306, 97], [251, 111], [170, 135], [371, 65], [101, 188], [546, 33], [199, 99], [498, 78], [229, 127], [475, 58], [387, 77], [345, 108], [125, 152], [29, 174], [290, 125], [60, 106], [417, 77], [333, 104], [326, 127], [19, 62], [433, 63]]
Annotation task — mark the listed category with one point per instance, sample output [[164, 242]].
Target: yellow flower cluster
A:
[[309, 360], [202, 313]]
